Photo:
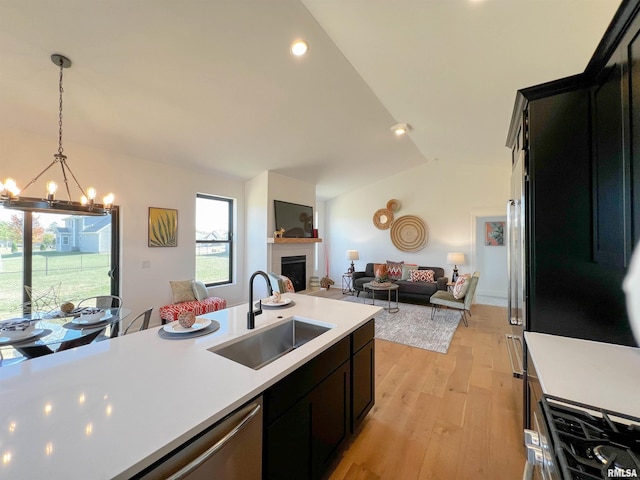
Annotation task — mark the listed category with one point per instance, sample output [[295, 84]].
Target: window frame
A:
[[27, 254], [229, 241]]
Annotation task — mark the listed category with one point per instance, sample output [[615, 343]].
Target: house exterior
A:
[[84, 234]]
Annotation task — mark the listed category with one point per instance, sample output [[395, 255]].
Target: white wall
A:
[[261, 191], [256, 194], [138, 185], [444, 196], [491, 261]]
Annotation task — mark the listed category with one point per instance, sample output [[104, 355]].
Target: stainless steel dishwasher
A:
[[230, 449]]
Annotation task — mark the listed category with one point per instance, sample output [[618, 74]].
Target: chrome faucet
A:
[[251, 316]]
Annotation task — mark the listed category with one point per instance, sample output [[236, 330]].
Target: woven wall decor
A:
[[383, 218], [409, 233], [393, 205]]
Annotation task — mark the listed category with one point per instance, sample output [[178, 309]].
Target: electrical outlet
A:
[[145, 264]]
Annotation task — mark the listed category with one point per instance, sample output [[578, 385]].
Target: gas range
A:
[[574, 441]]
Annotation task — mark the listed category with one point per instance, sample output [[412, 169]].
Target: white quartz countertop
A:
[[597, 374], [111, 408]]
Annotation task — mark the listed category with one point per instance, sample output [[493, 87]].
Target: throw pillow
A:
[[288, 284], [379, 270], [461, 287], [394, 270], [422, 276], [200, 290], [406, 269], [182, 291]]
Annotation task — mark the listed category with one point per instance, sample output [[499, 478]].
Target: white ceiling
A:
[[211, 85]]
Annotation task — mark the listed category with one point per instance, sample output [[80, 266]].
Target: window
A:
[[214, 235], [38, 256]]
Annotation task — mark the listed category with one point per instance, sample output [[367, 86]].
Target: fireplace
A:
[[295, 267]]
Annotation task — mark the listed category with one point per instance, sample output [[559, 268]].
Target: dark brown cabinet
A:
[[308, 414], [362, 373]]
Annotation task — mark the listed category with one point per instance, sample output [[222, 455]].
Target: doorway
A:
[[489, 256]]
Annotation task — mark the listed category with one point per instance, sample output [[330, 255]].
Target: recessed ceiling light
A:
[[299, 48], [401, 128]]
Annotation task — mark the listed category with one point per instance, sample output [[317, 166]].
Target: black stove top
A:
[[592, 443]]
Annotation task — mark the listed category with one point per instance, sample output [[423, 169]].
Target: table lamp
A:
[[352, 255], [455, 259]]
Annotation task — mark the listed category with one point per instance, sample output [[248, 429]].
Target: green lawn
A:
[[78, 275], [73, 275]]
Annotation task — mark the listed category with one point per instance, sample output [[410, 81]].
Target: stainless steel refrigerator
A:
[[516, 265]]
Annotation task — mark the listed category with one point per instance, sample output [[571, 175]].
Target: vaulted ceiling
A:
[[211, 85]]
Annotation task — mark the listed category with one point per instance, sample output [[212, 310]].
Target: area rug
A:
[[412, 325]]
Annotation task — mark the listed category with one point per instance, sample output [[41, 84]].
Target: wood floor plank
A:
[[442, 416]]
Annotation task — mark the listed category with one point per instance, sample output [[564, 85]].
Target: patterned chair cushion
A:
[[170, 313]]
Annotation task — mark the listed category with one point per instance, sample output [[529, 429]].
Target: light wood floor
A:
[[442, 416]]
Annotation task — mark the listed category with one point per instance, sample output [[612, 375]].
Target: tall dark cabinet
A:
[[575, 146], [580, 141]]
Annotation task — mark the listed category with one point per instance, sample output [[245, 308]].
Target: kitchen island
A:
[[110, 409]]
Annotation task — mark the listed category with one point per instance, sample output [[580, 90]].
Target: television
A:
[[297, 220]]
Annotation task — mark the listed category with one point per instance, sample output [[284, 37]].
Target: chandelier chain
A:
[[60, 149]]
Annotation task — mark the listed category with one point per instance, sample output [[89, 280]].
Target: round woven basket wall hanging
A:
[[393, 205], [383, 218], [409, 233]]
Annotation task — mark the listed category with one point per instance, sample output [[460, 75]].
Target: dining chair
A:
[[145, 316], [104, 301]]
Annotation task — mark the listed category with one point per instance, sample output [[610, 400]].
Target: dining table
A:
[[39, 334]]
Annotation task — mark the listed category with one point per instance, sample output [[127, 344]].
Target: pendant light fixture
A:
[[10, 194]]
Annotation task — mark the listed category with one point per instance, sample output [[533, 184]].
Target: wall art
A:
[[494, 234], [163, 227]]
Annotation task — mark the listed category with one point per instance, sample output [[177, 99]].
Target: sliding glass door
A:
[[48, 259]]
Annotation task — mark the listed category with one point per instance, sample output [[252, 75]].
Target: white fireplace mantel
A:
[[293, 240], [277, 250]]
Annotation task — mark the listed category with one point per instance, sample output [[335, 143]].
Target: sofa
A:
[[407, 290]]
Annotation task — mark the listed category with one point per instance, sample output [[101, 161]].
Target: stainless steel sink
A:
[[266, 346]]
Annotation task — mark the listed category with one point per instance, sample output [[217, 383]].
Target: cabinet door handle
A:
[[511, 204], [514, 351], [216, 447]]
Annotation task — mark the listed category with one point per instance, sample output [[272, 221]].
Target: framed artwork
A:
[[163, 227], [494, 234]]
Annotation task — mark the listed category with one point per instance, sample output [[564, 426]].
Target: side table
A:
[[347, 284]]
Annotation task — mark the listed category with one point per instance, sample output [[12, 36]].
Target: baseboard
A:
[[492, 293]]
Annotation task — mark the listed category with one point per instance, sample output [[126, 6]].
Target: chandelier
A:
[[10, 194]]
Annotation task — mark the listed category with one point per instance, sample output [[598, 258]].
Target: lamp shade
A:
[[455, 258], [353, 255]]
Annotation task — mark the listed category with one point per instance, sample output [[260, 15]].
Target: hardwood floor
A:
[[442, 416]]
